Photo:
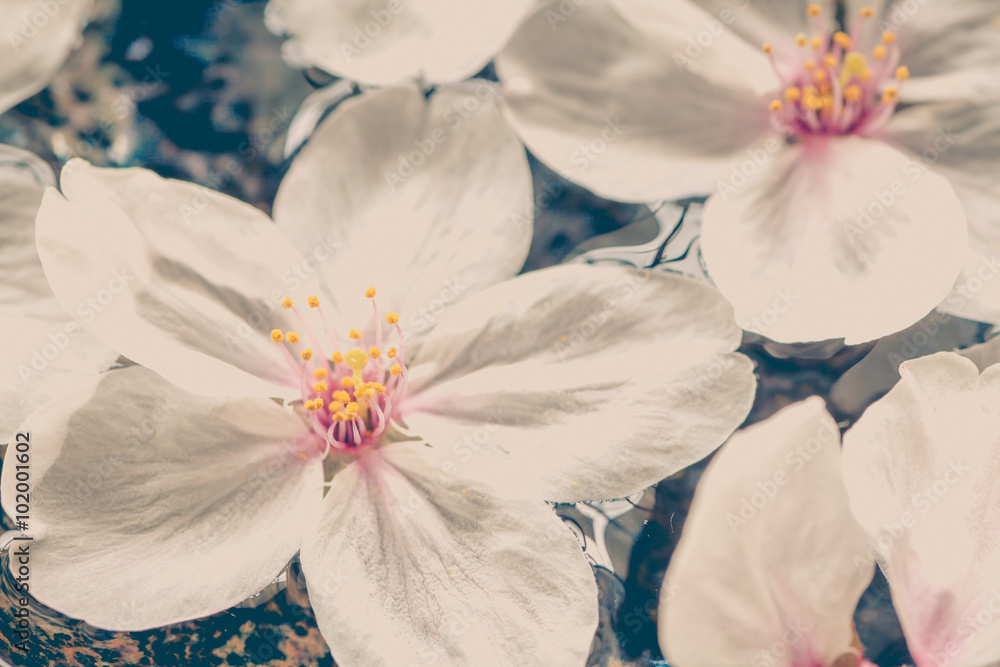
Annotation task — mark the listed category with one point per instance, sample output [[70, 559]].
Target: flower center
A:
[[351, 393], [832, 89]]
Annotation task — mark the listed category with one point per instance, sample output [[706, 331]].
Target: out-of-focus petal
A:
[[581, 382], [834, 238], [413, 563], [765, 570], [150, 505]]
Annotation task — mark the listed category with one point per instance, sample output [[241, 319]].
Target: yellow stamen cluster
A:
[[842, 40], [391, 318], [286, 302], [341, 396], [306, 354], [814, 10], [319, 373], [313, 301], [395, 369], [277, 336], [867, 12], [355, 334], [370, 293], [374, 352], [292, 337], [347, 382], [391, 353], [337, 358], [320, 387]]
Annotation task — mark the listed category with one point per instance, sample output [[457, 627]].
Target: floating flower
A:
[[922, 468], [439, 399], [37, 38], [386, 42], [766, 571], [830, 215], [45, 351]]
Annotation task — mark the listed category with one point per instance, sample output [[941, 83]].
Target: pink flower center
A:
[[829, 88], [349, 393]]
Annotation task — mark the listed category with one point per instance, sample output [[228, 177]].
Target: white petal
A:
[[37, 39], [842, 238], [960, 141], [614, 111], [176, 277], [764, 572], [411, 565], [952, 48], [41, 360], [922, 469], [581, 382], [151, 506], [24, 291], [427, 199], [381, 43]]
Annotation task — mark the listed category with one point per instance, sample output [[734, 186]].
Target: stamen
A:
[[391, 353], [337, 358], [277, 336], [395, 369], [355, 334], [320, 387], [867, 12], [292, 337], [801, 40], [320, 373], [879, 52], [775, 105], [814, 10], [888, 37], [306, 354], [903, 73], [374, 352]]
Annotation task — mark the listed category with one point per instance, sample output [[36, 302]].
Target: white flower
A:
[[433, 543], [922, 469], [45, 351], [767, 570], [834, 195], [37, 37], [386, 42]]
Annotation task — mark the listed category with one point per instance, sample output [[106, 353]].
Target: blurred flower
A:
[[833, 157], [923, 474], [45, 351], [37, 38], [767, 570], [386, 42], [443, 419]]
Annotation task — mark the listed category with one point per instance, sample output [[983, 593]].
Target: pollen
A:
[[319, 373], [830, 60], [903, 73], [391, 318], [355, 334], [374, 352], [391, 353], [379, 388], [793, 94], [320, 387], [292, 337], [853, 93], [814, 10], [767, 48], [855, 63], [888, 37], [775, 105], [347, 382], [306, 354], [337, 358], [889, 95], [879, 52], [842, 39], [351, 410], [286, 302], [313, 301], [277, 336], [801, 39], [312, 406], [816, 42], [341, 396], [820, 75], [395, 369], [867, 12], [810, 65], [370, 293], [356, 359], [339, 417]]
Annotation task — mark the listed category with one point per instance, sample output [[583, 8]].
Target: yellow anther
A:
[[810, 65], [374, 352], [879, 52], [355, 334], [336, 406], [391, 353], [377, 387], [801, 39], [814, 10], [320, 387], [306, 354], [313, 301], [337, 357], [286, 302], [853, 93], [867, 12], [775, 105], [812, 101], [370, 293], [816, 42], [888, 37], [842, 39], [339, 417], [793, 94], [767, 48], [827, 101], [356, 359], [903, 73], [318, 402], [889, 95], [395, 369], [341, 396], [830, 60], [311, 406], [820, 75], [292, 337], [351, 409], [866, 74], [319, 373], [391, 318], [854, 62], [277, 336], [347, 382]]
